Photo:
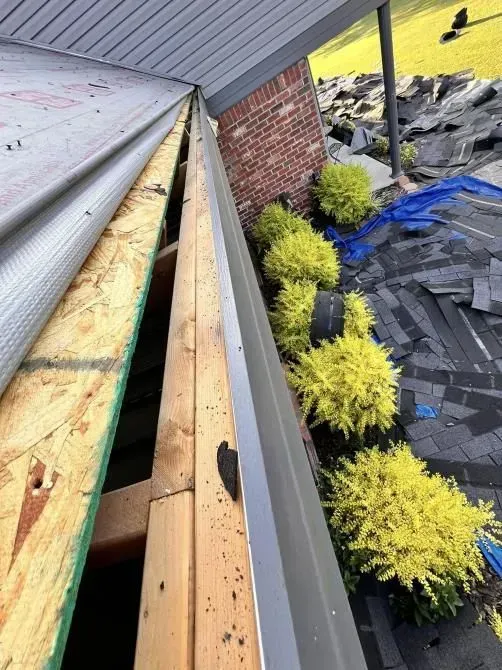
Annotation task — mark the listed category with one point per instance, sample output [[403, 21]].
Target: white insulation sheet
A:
[[73, 156]]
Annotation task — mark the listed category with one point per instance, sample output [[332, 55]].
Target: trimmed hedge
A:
[[348, 383], [303, 256], [344, 191], [292, 316], [274, 222]]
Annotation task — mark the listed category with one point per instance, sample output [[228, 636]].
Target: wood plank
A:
[[57, 420], [173, 466], [121, 524], [165, 630], [225, 628]]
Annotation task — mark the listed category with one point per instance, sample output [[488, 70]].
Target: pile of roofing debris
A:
[[436, 289], [453, 119]]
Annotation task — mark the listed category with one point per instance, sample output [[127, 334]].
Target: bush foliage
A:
[[274, 222], [349, 383], [358, 317], [495, 621], [292, 315], [399, 521], [303, 256], [344, 191], [407, 151]]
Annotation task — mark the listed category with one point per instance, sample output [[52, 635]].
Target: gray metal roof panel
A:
[[213, 43]]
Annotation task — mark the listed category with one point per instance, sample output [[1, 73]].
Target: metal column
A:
[[385, 28]]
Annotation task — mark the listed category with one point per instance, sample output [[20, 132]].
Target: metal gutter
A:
[[303, 616]]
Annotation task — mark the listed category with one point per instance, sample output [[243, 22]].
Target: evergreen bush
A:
[[274, 222], [382, 147], [303, 256], [399, 521], [349, 383], [344, 191], [495, 621], [408, 153], [292, 315], [358, 317]]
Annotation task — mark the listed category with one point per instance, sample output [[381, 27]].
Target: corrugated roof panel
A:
[[207, 42]]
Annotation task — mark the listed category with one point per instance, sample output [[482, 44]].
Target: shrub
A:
[[399, 521], [382, 147], [408, 152], [303, 256], [345, 192], [274, 222], [350, 383], [292, 316], [495, 621], [358, 317]]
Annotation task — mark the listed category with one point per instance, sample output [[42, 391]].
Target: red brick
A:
[[267, 150]]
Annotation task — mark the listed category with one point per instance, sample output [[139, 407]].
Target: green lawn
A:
[[417, 27]]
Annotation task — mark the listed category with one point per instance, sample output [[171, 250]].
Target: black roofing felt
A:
[[437, 298]]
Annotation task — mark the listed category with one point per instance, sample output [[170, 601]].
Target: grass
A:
[[417, 27]]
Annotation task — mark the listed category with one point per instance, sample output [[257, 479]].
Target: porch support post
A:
[[389, 80]]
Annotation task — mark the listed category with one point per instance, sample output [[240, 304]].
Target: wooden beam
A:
[[121, 524], [57, 420], [225, 628], [173, 465], [165, 631], [165, 628]]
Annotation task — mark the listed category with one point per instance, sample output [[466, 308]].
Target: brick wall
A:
[[271, 142]]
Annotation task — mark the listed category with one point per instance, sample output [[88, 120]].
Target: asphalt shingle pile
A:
[[437, 297], [453, 119]]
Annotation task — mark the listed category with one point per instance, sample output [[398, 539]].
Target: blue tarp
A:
[[493, 554], [413, 211], [426, 411]]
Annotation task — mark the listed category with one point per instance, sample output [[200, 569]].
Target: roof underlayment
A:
[[75, 134]]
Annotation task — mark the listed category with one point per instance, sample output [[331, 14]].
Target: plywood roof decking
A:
[[57, 419]]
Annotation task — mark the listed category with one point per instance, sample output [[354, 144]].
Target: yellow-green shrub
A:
[[303, 256], [274, 222], [344, 191], [292, 315], [495, 621], [358, 317], [400, 521], [349, 383]]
